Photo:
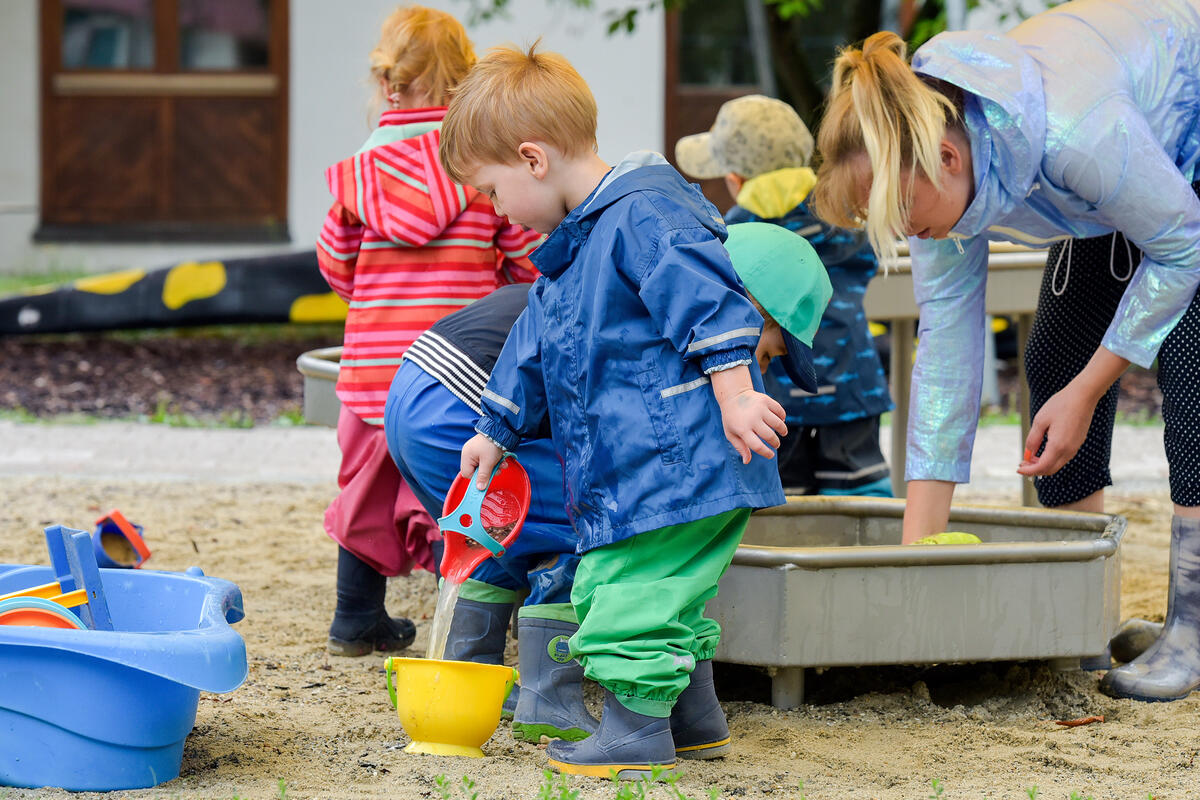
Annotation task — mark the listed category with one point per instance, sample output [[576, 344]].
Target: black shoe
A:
[[387, 634]]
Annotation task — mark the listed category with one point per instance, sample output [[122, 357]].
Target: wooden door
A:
[[164, 120]]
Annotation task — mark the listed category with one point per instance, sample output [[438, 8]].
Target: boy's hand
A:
[[479, 453], [753, 422]]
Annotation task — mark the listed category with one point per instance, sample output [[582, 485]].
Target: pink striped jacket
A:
[[405, 246]]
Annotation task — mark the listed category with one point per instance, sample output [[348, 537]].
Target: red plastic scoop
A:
[[482, 523]]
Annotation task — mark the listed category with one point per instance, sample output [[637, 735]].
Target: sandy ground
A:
[[324, 727]]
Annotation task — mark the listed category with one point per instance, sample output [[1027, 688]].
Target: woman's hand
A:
[[1063, 423], [1064, 420], [479, 453]]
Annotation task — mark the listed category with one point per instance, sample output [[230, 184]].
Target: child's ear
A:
[[533, 156]]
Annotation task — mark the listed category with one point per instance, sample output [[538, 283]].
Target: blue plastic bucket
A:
[[91, 710]]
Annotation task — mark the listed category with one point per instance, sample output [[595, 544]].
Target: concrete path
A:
[[133, 451], [309, 454]]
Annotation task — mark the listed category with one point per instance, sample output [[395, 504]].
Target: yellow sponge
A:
[[950, 537]]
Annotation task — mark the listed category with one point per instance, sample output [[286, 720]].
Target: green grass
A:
[[21, 282]]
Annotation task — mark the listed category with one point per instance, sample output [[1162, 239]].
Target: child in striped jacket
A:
[[403, 245]]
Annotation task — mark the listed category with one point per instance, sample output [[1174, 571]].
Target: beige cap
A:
[[751, 135]]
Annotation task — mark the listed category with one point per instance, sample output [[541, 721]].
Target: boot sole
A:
[[1108, 690], [624, 772], [361, 647], [529, 732], [705, 751]]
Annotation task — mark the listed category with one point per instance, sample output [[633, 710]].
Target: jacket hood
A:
[[641, 171], [398, 169], [1005, 116], [774, 194]]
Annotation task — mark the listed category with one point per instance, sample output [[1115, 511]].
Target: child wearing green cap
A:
[[762, 148], [634, 350]]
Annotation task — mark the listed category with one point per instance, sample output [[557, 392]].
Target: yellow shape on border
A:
[[192, 280], [110, 283], [326, 307]]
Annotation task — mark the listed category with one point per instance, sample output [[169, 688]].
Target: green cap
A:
[[781, 270]]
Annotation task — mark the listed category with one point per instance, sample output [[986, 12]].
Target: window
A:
[[164, 120]]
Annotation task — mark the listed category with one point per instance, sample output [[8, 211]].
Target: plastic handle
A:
[[472, 505], [387, 673]]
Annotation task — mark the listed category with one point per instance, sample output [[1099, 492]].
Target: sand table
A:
[[324, 724]]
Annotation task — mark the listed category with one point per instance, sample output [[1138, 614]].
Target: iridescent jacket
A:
[[1083, 120]]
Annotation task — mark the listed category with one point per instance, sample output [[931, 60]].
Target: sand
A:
[[323, 725]]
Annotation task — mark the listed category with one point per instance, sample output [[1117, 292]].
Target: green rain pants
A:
[[640, 604]]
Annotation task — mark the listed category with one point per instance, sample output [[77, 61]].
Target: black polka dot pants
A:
[[1081, 288]]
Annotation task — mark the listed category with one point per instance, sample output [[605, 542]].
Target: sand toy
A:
[[93, 709], [479, 523], [452, 707], [448, 708], [118, 542]]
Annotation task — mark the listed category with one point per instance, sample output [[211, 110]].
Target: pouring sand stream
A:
[[439, 628]]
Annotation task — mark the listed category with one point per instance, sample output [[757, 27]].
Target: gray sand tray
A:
[[320, 371], [824, 582]]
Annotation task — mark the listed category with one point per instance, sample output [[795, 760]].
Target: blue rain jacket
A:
[[850, 376], [636, 301], [1083, 120]]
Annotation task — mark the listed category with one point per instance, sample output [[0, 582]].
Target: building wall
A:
[[328, 115]]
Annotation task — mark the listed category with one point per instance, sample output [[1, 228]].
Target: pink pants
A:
[[376, 516]]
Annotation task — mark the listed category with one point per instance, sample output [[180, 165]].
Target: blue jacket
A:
[[1083, 120], [852, 384], [636, 301]]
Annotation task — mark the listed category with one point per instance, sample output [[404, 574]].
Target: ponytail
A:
[[881, 111]]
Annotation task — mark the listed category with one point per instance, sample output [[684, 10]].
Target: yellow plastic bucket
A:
[[447, 708]]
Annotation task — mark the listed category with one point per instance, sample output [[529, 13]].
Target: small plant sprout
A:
[[937, 789], [560, 790], [1032, 792], [443, 786], [282, 789], [1078, 796]]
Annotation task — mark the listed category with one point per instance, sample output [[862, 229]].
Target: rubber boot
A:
[[551, 702], [1170, 668], [477, 633], [361, 624], [627, 743], [698, 724], [1133, 638]]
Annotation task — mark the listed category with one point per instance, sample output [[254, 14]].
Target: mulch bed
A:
[[186, 375], [236, 377]]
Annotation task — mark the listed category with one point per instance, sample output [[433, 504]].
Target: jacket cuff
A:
[[498, 433], [726, 359], [1142, 356], [917, 469]]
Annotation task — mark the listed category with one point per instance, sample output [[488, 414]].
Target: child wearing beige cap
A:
[[761, 148]]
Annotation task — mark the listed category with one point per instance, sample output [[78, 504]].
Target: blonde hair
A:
[[422, 50], [880, 108], [511, 97]]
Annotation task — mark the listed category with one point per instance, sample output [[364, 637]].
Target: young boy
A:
[[761, 147], [635, 349]]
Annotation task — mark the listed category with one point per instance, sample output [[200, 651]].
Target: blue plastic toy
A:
[[110, 708]]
